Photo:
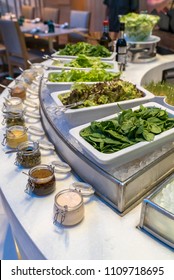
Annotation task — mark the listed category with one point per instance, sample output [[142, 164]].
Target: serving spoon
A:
[[3, 86]]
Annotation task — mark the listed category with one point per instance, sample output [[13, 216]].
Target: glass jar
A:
[[38, 68], [13, 103], [41, 180], [28, 154], [19, 90], [14, 117], [28, 76], [68, 207], [15, 135], [69, 204]]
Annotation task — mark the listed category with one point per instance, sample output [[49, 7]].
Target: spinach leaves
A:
[[128, 128]]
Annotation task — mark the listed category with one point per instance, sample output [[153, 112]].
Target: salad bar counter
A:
[[130, 173], [77, 136], [121, 178]]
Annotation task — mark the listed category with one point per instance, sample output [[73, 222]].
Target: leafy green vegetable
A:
[[82, 61], [162, 89], [85, 48], [138, 27], [128, 128], [101, 93], [82, 76]]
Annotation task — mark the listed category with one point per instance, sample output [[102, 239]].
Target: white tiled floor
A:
[[7, 248]]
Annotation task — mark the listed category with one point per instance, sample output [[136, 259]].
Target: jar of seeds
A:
[[28, 154]]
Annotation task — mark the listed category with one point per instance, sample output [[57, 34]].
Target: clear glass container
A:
[[68, 207], [19, 90], [13, 103], [38, 68], [15, 135], [28, 76], [41, 180], [28, 154], [69, 204], [14, 117]]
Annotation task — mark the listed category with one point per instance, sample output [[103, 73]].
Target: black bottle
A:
[[105, 39], [121, 48]]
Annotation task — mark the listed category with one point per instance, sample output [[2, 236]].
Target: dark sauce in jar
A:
[[42, 180]]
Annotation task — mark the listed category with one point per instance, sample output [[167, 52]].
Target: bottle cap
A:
[[105, 22]]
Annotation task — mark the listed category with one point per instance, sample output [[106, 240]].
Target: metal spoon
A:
[[46, 56], [11, 151], [29, 62], [5, 86]]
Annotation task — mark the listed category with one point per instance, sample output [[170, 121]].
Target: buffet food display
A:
[[138, 27], [73, 50], [131, 152], [81, 62], [97, 100], [123, 137]]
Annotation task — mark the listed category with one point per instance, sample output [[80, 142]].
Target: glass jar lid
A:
[[60, 166], [84, 189], [28, 147], [36, 131]]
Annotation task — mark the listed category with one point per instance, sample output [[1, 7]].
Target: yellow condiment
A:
[[16, 136]]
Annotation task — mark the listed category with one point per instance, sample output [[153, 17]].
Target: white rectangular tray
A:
[[83, 115], [65, 85], [111, 57], [128, 154], [63, 61]]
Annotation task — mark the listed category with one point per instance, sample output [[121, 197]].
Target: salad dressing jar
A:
[[28, 154], [15, 135], [37, 68], [69, 204], [41, 180], [28, 76], [14, 117], [19, 90], [13, 103]]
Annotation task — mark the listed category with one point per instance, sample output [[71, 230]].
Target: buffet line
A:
[[118, 128]]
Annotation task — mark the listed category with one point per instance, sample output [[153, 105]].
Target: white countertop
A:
[[102, 235]]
